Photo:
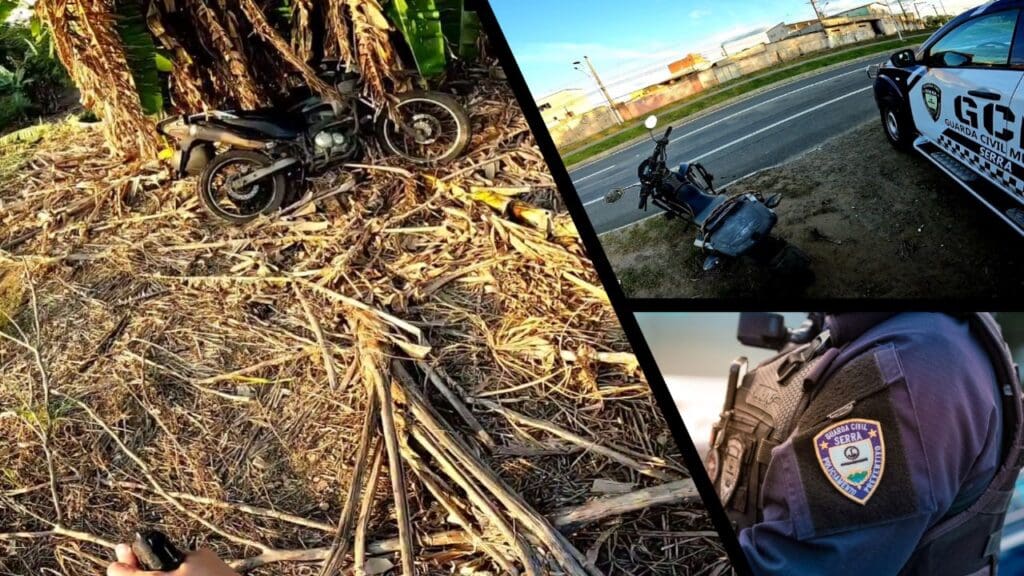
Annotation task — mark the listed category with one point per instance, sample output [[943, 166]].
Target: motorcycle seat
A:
[[700, 203], [274, 125]]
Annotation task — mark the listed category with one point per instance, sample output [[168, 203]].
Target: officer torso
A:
[[864, 451]]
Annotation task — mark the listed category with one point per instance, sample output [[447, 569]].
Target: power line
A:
[[604, 91]]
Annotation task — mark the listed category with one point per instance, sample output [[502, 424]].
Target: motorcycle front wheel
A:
[[222, 200], [432, 128]]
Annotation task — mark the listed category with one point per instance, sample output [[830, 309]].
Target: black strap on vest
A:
[[968, 542]]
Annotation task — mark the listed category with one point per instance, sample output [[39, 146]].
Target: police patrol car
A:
[[959, 101]]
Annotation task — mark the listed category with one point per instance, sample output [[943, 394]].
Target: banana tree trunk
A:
[[91, 50]]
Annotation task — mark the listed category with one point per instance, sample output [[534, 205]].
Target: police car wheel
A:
[[898, 128]]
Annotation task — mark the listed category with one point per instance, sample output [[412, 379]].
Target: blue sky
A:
[[626, 38]]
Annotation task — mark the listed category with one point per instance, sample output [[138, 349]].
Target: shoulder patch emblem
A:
[[852, 456]]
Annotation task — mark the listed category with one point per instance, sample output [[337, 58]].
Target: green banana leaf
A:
[[431, 26], [419, 22], [141, 53], [461, 27], [6, 7]]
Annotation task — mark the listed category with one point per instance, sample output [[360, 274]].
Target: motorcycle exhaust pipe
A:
[[225, 136]]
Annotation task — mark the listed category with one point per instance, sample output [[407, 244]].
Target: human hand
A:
[[199, 563]]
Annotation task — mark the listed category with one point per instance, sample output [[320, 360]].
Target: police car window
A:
[[984, 41]]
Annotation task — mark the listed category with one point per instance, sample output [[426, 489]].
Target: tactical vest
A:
[[761, 411]]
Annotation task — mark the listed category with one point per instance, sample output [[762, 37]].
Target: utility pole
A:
[[899, 22], [817, 11], [903, 13], [600, 85]]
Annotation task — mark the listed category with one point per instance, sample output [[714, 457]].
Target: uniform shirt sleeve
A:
[[939, 412]]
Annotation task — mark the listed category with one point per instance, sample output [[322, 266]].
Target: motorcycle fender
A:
[[280, 165]]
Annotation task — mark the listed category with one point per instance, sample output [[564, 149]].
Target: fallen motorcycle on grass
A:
[[729, 227], [245, 159]]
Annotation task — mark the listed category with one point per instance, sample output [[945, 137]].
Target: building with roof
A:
[[745, 42], [864, 11], [563, 104]]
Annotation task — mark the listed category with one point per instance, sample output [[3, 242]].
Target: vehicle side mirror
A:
[[651, 122], [904, 58], [762, 330]]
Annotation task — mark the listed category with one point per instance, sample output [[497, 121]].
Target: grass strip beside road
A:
[[729, 90]]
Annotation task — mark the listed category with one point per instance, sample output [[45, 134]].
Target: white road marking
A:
[[756, 133], [779, 97], [779, 123], [737, 141], [791, 92], [596, 173]]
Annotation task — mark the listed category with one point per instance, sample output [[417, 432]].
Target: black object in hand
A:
[[155, 552]]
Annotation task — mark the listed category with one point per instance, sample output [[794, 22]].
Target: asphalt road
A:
[[736, 140]]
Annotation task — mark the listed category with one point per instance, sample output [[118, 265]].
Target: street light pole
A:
[[902, 19], [600, 85]]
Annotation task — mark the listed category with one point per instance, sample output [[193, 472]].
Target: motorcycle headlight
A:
[[323, 140]]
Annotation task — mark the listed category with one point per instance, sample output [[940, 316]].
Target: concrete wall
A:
[[719, 74], [797, 47], [662, 95], [580, 127], [850, 34], [839, 32]]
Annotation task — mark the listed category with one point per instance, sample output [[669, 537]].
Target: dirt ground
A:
[[394, 339], [875, 223]]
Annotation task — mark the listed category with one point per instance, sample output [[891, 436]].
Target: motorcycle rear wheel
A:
[[437, 128], [239, 207]]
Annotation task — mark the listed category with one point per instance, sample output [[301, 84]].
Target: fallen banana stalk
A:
[[647, 469]]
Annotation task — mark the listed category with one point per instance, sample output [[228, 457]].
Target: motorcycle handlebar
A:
[[668, 132]]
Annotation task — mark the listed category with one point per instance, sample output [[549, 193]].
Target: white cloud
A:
[[699, 13]]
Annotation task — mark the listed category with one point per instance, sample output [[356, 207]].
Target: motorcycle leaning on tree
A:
[[246, 158], [729, 227]]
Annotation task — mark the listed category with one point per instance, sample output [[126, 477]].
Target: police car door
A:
[[963, 102]]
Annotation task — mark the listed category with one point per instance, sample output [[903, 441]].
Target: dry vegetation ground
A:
[[876, 224], [237, 388]]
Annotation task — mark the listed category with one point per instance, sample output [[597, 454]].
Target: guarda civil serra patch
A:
[[852, 455]]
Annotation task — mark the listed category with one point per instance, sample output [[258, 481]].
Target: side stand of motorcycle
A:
[[246, 158], [729, 227]]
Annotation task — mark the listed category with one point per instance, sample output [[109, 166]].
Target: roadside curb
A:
[[720, 105]]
